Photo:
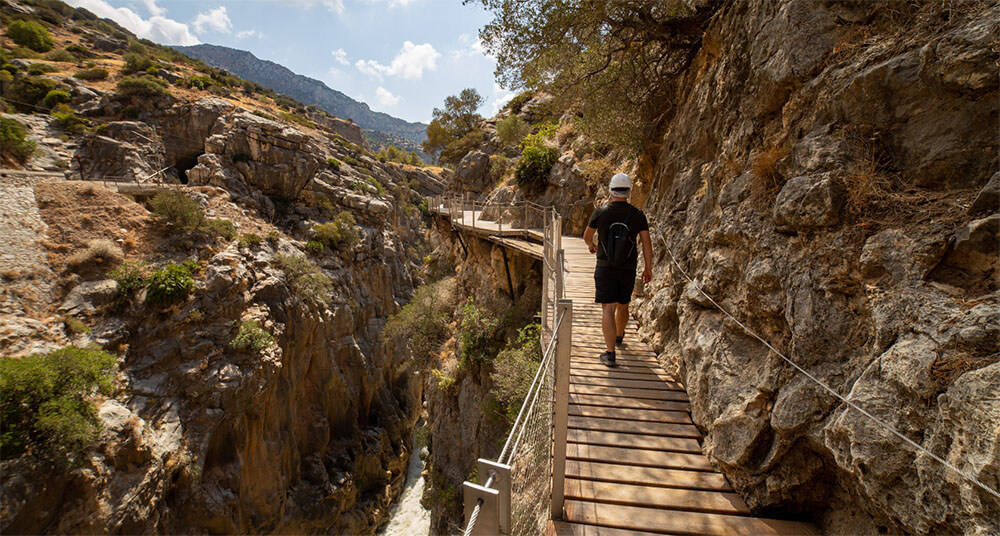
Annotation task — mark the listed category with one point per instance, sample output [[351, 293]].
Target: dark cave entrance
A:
[[184, 164]]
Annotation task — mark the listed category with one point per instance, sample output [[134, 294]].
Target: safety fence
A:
[[524, 485]]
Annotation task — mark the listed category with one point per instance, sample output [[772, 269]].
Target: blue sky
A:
[[402, 57]]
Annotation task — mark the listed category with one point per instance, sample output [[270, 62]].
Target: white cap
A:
[[620, 180]]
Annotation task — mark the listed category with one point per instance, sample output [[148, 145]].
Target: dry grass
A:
[[99, 252], [765, 169]]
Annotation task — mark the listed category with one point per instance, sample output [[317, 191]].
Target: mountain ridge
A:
[[308, 90]]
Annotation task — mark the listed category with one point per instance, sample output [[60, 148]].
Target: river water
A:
[[407, 517]]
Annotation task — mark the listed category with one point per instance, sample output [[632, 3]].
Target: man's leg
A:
[[608, 325], [621, 318]]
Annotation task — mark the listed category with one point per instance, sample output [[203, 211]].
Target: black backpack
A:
[[620, 245]]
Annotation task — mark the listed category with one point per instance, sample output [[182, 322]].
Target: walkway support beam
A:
[[560, 418]]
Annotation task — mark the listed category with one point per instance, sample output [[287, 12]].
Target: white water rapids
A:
[[408, 517]]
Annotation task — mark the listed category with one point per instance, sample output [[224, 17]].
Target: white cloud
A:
[[384, 98], [156, 28], [249, 33], [334, 73], [336, 6], [340, 56], [215, 19], [409, 63], [475, 49], [500, 97]]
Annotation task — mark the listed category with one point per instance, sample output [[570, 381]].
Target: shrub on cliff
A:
[[61, 55], [66, 119], [514, 368], [476, 331], [177, 209], [251, 337], [137, 63], [171, 284], [511, 130], [423, 323], [29, 91], [44, 402], [144, 87], [537, 158], [31, 34], [93, 74], [342, 231], [13, 143], [130, 276], [305, 278], [56, 96]]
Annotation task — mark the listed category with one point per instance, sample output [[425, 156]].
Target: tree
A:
[[611, 58], [454, 122]]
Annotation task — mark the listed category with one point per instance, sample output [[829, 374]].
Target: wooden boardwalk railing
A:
[[633, 458]]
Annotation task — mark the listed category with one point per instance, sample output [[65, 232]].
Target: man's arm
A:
[[647, 256], [588, 238]]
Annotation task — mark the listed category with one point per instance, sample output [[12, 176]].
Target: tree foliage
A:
[[609, 57], [454, 122]]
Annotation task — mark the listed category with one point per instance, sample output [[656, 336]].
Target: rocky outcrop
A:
[[122, 151], [817, 186]]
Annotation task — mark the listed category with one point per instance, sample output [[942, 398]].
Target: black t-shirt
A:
[[617, 211]]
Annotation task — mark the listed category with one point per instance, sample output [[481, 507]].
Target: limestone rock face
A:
[[884, 291], [809, 202], [123, 151], [473, 172]]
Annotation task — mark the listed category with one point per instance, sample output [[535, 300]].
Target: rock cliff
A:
[[311, 434], [814, 176]]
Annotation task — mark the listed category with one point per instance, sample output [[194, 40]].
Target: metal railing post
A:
[[501, 482], [564, 342], [560, 256], [488, 520]]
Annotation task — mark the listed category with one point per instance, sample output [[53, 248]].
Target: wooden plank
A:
[[562, 528], [643, 457], [631, 414], [647, 476], [649, 394], [714, 502], [635, 427], [623, 382], [678, 522], [619, 402], [619, 439]]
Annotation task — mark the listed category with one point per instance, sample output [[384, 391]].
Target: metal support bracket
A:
[[488, 522], [501, 481]]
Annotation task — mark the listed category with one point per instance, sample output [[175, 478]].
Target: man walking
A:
[[617, 225]]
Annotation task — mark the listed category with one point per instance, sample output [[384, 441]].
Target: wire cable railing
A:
[[846, 400], [524, 486]]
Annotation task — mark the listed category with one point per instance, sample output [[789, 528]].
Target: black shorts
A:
[[613, 285]]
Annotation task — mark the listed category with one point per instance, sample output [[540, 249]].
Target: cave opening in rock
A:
[[185, 163]]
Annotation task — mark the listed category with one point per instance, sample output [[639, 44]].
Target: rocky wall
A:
[[817, 175]]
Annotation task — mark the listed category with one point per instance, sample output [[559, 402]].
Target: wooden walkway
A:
[[634, 463]]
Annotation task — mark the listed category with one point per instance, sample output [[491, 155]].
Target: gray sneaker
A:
[[608, 359]]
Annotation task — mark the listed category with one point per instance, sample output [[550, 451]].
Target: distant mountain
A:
[[307, 90]]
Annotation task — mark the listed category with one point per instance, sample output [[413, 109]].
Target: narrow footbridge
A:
[[594, 451]]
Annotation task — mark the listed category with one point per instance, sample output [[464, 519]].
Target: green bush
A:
[[13, 142], [535, 165], [514, 369], [42, 68], [75, 326], [476, 332], [177, 209], [44, 406], [96, 73], [511, 130], [136, 63], [144, 87], [61, 55], [252, 337], [130, 276], [314, 247], [423, 323], [378, 185], [170, 284], [222, 228], [66, 119], [56, 96], [199, 82], [333, 163], [305, 278], [456, 150], [31, 34], [341, 231], [30, 90], [10, 68], [249, 240], [79, 51]]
